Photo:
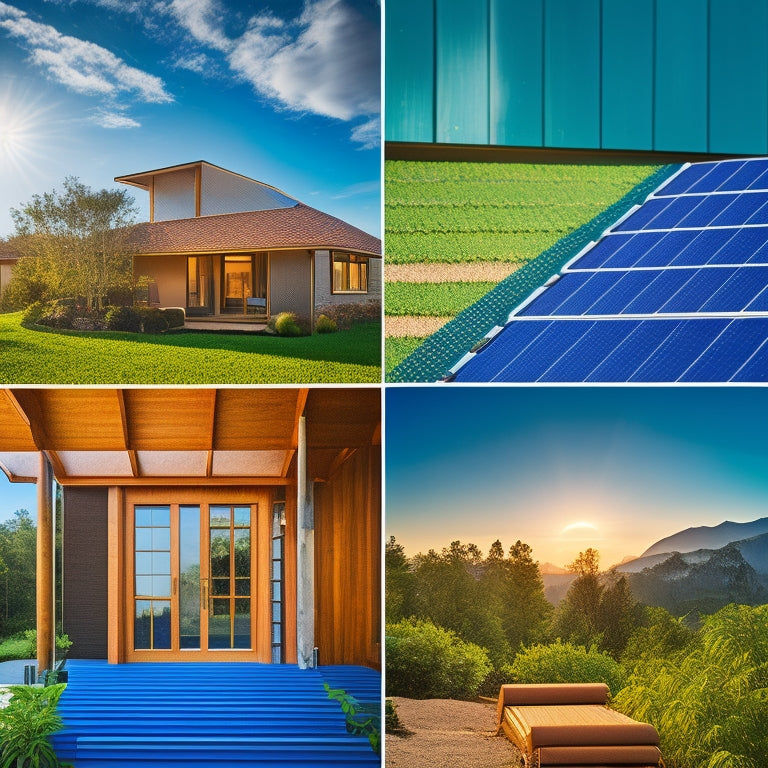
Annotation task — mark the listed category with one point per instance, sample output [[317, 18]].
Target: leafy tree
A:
[[618, 615], [659, 635], [73, 243], [18, 542], [399, 583], [578, 615]]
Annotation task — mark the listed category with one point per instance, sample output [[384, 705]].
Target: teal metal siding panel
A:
[[738, 105], [516, 81], [572, 73], [409, 76], [627, 97], [462, 72], [681, 76]]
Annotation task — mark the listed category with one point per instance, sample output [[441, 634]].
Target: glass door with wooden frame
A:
[[193, 581]]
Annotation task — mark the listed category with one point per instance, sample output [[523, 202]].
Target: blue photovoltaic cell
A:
[[737, 343], [685, 179], [662, 297]]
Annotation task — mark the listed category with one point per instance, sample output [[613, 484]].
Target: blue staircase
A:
[[210, 715]]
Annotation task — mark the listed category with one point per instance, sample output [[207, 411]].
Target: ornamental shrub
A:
[[287, 324], [426, 661], [324, 324], [566, 663], [152, 320], [58, 314], [123, 319]]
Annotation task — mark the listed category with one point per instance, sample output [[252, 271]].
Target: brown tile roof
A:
[[296, 227]]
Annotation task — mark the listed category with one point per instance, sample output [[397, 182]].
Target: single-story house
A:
[[222, 245], [203, 524]]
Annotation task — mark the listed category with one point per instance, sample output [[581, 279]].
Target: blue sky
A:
[[563, 469], [283, 91], [15, 496]]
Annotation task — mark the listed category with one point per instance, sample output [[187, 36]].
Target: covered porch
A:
[[181, 714]]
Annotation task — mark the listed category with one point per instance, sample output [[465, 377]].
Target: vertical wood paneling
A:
[[627, 71], [348, 562], [738, 88], [462, 72], [516, 74], [572, 73], [681, 75], [409, 75]]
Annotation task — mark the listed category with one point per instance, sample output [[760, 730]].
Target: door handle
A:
[[204, 594]]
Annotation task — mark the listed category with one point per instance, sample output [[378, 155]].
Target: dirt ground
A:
[[448, 734]]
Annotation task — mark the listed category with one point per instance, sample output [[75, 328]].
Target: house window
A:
[[350, 273], [278, 565]]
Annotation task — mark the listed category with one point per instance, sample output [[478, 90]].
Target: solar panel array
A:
[[676, 290]]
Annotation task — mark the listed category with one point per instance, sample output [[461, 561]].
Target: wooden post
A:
[[45, 567], [305, 555]]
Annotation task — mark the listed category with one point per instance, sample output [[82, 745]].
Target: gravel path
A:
[[475, 272], [448, 734]]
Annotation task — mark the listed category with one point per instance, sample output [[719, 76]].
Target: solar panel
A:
[[676, 290]]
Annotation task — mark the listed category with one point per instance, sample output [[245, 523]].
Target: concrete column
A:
[[45, 567], [305, 556]]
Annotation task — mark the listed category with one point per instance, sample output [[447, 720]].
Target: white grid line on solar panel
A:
[[700, 211], [616, 351], [662, 248], [719, 176], [698, 286]]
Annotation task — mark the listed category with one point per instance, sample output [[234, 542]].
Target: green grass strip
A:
[[64, 357], [432, 359], [432, 299], [398, 348]]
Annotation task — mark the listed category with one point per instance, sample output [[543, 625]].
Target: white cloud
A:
[[199, 63], [108, 119], [325, 62], [368, 134], [79, 65]]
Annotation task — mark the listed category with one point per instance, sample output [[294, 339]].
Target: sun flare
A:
[[581, 525]]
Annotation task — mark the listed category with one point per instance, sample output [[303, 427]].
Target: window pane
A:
[[143, 562], [242, 517], [189, 588], [220, 553], [161, 586], [219, 628], [242, 637], [161, 635], [142, 625], [161, 516], [143, 538], [242, 552], [143, 516], [243, 587], [220, 587], [161, 562], [220, 517], [161, 538], [144, 586]]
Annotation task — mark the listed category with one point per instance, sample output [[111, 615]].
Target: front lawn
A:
[[66, 357]]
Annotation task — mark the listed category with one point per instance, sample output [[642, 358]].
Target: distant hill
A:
[[708, 537], [704, 580]]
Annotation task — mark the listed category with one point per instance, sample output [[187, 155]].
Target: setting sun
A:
[[579, 526]]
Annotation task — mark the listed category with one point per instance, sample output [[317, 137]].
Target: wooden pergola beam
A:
[[46, 628]]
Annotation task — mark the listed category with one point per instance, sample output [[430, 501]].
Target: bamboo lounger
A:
[[568, 725]]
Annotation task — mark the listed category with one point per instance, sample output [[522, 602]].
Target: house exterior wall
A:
[[347, 562], [84, 555], [583, 74], [170, 274], [323, 293], [224, 192], [290, 282], [6, 270], [174, 195]]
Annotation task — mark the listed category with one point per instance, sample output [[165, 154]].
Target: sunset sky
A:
[[564, 469], [283, 91]]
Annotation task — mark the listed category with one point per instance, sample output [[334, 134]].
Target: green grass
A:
[[64, 357], [463, 212], [432, 300], [398, 348]]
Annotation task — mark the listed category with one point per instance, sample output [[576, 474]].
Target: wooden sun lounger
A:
[[569, 725]]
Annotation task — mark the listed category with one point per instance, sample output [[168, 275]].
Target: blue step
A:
[[209, 715]]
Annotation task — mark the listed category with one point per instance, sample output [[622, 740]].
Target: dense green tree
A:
[[399, 583], [18, 541], [618, 615], [73, 243], [658, 635]]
